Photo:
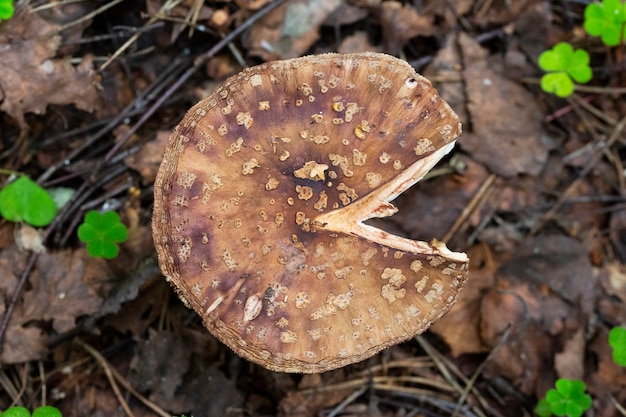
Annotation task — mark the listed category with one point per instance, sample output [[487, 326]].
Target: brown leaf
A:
[[63, 286], [401, 23], [506, 131], [460, 328], [546, 293], [147, 160], [446, 67], [358, 42], [31, 78], [569, 362], [289, 30]]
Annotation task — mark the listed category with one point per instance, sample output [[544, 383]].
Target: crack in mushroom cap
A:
[[260, 204]]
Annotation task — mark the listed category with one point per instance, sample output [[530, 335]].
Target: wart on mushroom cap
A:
[[260, 202]]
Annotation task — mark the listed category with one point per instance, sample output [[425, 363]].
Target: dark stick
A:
[[197, 64], [4, 323]]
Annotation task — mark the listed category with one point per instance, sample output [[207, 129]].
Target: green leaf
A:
[[6, 9], [543, 409], [24, 200], [101, 248], [564, 66], [569, 398], [16, 412], [579, 68], [557, 58], [606, 20], [617, 340], [102, 232], [558, 83], [47, 411]]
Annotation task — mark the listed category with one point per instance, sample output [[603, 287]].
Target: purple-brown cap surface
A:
[[260, 205]]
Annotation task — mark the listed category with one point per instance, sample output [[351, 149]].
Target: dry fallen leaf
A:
[[63, 286], [289, 30], [546, 294], [506, 132], [32, 78], [402, 22], [460, 328], [148, 159]]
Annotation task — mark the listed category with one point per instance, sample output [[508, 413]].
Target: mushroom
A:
[[261, 199]]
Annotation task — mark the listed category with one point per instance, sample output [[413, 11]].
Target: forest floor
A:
[[534, 193]]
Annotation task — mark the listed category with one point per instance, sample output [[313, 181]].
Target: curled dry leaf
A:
[[260, 205]]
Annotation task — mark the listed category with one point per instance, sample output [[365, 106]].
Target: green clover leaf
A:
[[606, 20], [6, 9], [47, 411], [16, 412], [617, 340], [101, 233], [24, 200], [558, 83], [563, 65], [569, 398], [543, 409]]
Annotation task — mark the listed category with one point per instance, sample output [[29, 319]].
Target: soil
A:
[[534, 193]]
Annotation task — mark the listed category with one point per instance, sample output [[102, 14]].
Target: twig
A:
[[44, 387], [346, 402], [447, 369], [479, 370], [582, 88], [109, 373], [17, 292], [593, 160], [85, 17], [10, 389], [584, 103], [197, 64], [117, 377], [476, 201], [617, 405], [166, 6], [139, 102]]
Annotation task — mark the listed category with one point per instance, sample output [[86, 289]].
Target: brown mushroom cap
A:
[[260, 202]]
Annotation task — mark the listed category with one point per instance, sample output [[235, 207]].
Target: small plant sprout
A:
[[6, 9], [617, 340], [102, 233], [564, 65], [568, 398], [24, 200], [606, 20], [45, 411], [16, 412]]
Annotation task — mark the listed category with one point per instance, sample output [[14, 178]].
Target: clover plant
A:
[[564, 66], [24, 200], [617, 340], [6, 9], [606, 20], [45, 411], [102, 233], [568, 398]]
